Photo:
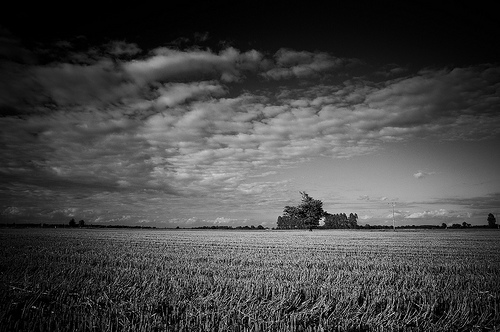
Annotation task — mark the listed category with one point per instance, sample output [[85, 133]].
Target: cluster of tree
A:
[[492, 222], [340, 220], [463, 225], [72, 223], [309, 213], [306, 215]]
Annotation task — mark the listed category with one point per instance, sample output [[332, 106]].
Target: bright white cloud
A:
[[430, 214], [419, 175], [223, 221], [422, 174]]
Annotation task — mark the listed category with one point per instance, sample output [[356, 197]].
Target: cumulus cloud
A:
[[171, 94], [222, 220], [178, 124], [113, 77], [430, 214], [122, 49], [70, 84], [169, 64], [11, 211], [302, 64], [441, 103], [421, 174]]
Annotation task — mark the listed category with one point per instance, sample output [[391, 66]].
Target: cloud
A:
[[302, 64], [69, 84], [222, 221], [112, 77], [430, 214], [438, 103], [421, 174], [122, 49], [156, 129], [171, 94], [170, 65], [486, 203], [10, 211], [376, 199], [397, 214]]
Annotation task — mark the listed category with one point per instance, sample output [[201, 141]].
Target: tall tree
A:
[[353, 220], [492, 222], [312, 209], [306, 215]]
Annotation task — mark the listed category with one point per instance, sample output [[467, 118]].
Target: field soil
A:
[[212, 280]]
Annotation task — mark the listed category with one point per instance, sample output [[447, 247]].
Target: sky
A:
[[221, 113]]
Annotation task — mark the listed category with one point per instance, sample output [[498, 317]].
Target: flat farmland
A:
[[210, 280]]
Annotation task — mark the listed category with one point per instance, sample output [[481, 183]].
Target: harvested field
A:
[[210, 280]]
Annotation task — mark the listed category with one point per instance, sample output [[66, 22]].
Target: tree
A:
[[293, 212], [72, 223], [341, 221], [353, 220], [281, 222], [443, 225], [492, 222], [306, 215], [81, 223], [312, 210]]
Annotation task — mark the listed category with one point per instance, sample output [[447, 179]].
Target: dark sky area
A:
[[428, 32]]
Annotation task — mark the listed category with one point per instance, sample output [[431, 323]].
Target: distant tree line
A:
[[66, 225], [252, 227], [309, 213], [287, 221]]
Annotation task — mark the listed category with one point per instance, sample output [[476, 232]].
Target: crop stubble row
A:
[[187, 280]]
